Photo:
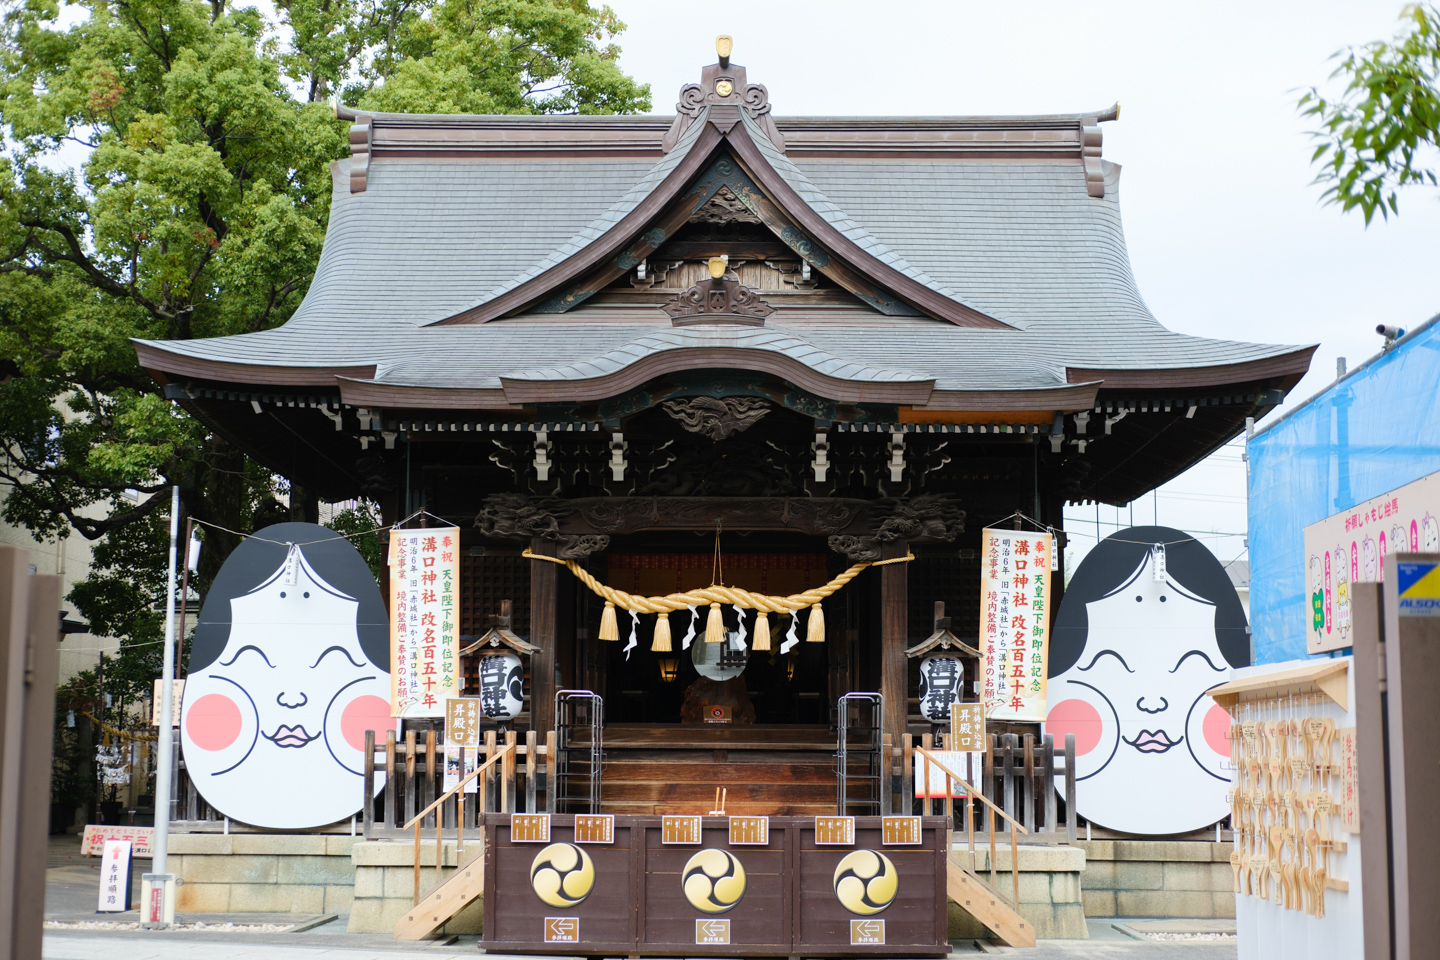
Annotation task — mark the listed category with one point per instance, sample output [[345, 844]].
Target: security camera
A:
[[1390, 333]]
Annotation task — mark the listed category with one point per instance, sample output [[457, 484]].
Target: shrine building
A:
[[725, 346]]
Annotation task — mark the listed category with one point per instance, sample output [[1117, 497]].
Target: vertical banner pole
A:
[[158, 905]]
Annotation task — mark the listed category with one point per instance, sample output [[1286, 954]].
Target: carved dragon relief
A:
[[930, 516], [717, 418], [511, 516]]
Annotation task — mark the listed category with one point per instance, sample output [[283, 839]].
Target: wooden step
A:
[[732, 808], [738, 792], [974, 896], [437, 907], [821, 772]]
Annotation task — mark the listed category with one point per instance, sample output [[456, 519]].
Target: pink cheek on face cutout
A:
[[1079, 718], [213, 722], [1217, 725], [365, 713]]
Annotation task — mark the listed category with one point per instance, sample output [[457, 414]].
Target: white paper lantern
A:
[[940, 682], [502, 686]]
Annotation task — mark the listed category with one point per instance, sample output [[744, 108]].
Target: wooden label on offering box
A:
[[712, 932], [835, 831], [594, 828], [750, 831], [680, 830], [900, 830], [866, 932], [562, 929], [529, 828]]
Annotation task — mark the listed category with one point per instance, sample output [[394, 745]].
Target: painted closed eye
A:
[[336, 649], [1108, 653], [1202, 655], [249, 646]]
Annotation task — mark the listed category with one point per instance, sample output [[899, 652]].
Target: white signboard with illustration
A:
[[1142, 633], [288, 669], [1351, 547]]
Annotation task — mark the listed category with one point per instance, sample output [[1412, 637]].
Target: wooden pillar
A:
[[894, 634], [543, 621]]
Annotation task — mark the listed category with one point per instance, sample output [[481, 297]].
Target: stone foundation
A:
[[262, 872], [1157, 878], [385, 884], [1050, 889]]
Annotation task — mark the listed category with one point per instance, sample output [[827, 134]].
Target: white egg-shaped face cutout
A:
[[273, 728]]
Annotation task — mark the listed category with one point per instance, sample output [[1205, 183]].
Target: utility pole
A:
[[157, 889]]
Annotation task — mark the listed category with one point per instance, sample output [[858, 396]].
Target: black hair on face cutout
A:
[[1113, 562], [333, 558]]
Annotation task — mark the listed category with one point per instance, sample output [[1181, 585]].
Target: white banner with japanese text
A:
[[1015, 623], [424, 620]]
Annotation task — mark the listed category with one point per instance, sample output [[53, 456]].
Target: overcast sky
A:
[[1227, 236]]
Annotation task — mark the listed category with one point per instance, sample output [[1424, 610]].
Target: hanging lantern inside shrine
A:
[[940, 681], [502, 686]]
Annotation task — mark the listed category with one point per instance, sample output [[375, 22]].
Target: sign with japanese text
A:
[[95, 836], [931, 781], [462, 722], [1349, 781], [157, 701], [1351, 547], [424, 620], [115, 877], [967, 727], [1015, 623]]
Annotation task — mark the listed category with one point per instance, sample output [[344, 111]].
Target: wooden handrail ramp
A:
[[443, 901], [983, 900]]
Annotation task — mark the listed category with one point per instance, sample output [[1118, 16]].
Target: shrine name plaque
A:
[[707, 886]]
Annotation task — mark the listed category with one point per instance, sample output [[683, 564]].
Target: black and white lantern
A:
[[502, 686], [940, 682]]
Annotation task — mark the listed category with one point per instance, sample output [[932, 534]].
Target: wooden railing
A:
[[505, 756], [1018, 775], [414, 777], [926, 759]]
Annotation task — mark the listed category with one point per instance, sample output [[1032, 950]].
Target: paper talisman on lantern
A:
[[424, 620], [1015, 623]]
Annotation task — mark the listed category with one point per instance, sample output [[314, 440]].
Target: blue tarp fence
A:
[[1373, 431]]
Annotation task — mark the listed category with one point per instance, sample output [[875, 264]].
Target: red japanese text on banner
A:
[[1015, 623], [424, 620]]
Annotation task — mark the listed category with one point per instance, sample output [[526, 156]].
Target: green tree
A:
[[199, 209], [1381, 132]]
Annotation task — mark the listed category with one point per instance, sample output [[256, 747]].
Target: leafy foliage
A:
[[1380, 134]]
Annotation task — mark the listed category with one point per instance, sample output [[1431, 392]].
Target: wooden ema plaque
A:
[[788, 904], [835, 831], [749, 831]]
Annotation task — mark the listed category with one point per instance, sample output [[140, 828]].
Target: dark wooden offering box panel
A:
[[636, 903]]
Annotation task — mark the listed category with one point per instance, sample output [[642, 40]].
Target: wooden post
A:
[[531, 742], [887, 780], [368, 810], [894, 635], [1031, 789], [1070, 831], [507, 774], [431, 786], [1008, 777], [391, 820], [488, 796], [550, 741], [907, 774], [410, 807], [1048, 753], [544, 613]]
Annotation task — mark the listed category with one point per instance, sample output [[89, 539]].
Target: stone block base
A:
[[262, 873], [1157, 878], [385, 884]]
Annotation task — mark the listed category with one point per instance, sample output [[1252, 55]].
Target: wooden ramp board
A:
[[976, 897], [440, 905]]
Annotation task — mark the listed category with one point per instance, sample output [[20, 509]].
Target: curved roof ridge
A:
[[598, 227]]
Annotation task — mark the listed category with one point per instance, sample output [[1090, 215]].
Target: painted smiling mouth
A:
[[1152, 741], [290, 736]]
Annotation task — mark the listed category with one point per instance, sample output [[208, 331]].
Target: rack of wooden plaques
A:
[[1294, 810]]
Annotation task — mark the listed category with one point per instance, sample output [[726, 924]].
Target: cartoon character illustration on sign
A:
[[1370, 566], [1342, 594], [288, 669], [1131, 659], [1317, 596], [1429, 534]]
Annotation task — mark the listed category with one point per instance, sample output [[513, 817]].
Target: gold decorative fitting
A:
[[724, 46], [718, 266], [723, 88]]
